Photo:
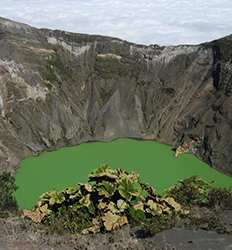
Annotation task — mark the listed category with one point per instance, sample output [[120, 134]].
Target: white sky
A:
[[141, 21]]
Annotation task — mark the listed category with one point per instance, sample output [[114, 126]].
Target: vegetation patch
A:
[[8, 203], [207, 205], [191, 191], [55, 71], [111, 199], [194, 191], [109, 65]]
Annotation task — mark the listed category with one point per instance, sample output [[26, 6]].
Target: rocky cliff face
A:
[[59, 88]]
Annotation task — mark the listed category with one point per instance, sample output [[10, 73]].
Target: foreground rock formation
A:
[[59, 88]]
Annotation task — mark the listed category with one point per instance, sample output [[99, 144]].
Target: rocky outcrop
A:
[[59, 88]]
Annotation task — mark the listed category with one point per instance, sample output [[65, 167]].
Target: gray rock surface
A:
[[18, 235], [59, 88]]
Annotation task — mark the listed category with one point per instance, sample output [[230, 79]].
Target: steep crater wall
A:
[[59, 88]]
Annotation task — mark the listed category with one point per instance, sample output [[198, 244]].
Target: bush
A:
[[191, 191], [195, 191], [111, 199], [7, 190]]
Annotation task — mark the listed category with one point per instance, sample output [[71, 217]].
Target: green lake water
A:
[[155, 163]]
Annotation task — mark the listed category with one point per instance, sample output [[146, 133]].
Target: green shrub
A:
[[151, 224], [195, 191], [7, 190], [67, 219], [191, 191]]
